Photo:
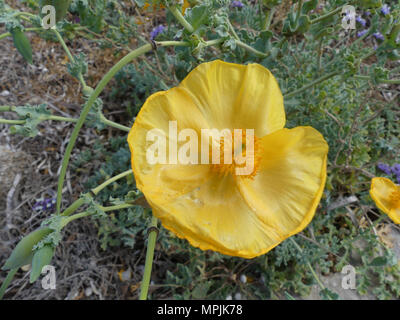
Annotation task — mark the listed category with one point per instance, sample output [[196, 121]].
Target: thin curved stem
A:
[[144, 289], [329, 14], [178, 15], [113, 124], [99, 88], [310, 85], [70, 57], [251, 49]]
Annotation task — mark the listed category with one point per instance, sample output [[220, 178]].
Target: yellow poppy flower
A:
[[386, 195], [211, 205]]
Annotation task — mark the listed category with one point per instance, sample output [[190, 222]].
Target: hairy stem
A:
[[178, 15], [144, 289], [310, 85]]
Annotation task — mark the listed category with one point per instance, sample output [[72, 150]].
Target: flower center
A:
[[239, 154], [395, 199]]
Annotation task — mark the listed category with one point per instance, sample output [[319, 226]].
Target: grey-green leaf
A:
[[41, 258], [23, 254], [21, 42]]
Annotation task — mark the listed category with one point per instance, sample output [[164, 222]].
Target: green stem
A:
[[76, 204], [70, 57], [7, 281], [144, 289], [230, 26], [111, 180], [329, 14], [6, 121], [310, 85], [8, 34], [388, 81], [268, 19], [321, 285], [93, 96], [299, 6], [103, 119], [178, 15], [251, 49], [113, 124]]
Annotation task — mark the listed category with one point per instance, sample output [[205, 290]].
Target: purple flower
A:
[[367, 13], [398, 179], [378, 36], [385, 168], [361, 21], [361, 33], [396, 169], [156, 31], [237, 4], [385, 9], [44, 205]]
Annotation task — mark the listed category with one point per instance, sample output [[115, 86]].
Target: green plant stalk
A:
[[178, 15], [87, 213], [144, 288], [329, 14], [7, 282], [8, 34], [230, 26], [251, 49], [387, 81], [70, 57], [299, 6], [268, 19], [93, 96], [310, 85], [113, 124], [103, 119], [321, 285], [6, 121], [76, 204]]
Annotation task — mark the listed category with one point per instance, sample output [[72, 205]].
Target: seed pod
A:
[[21, 42], [61, 7], [41, 258], [23, 254]]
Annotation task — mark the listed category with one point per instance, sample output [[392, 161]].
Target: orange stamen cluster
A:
[[232, 168]]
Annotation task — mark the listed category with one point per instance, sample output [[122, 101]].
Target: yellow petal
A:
[[381, 190], [237, 96], [157, 112], [291, 178], [214, 216]]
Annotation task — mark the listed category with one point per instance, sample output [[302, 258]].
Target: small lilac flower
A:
[[237, 4], [396, 169], [367, 13], [398, 179], [156, 31], [378, 36], [44, 205], [77, 19], [385, 9], [361, 33], [385, 168], [361, 21]]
